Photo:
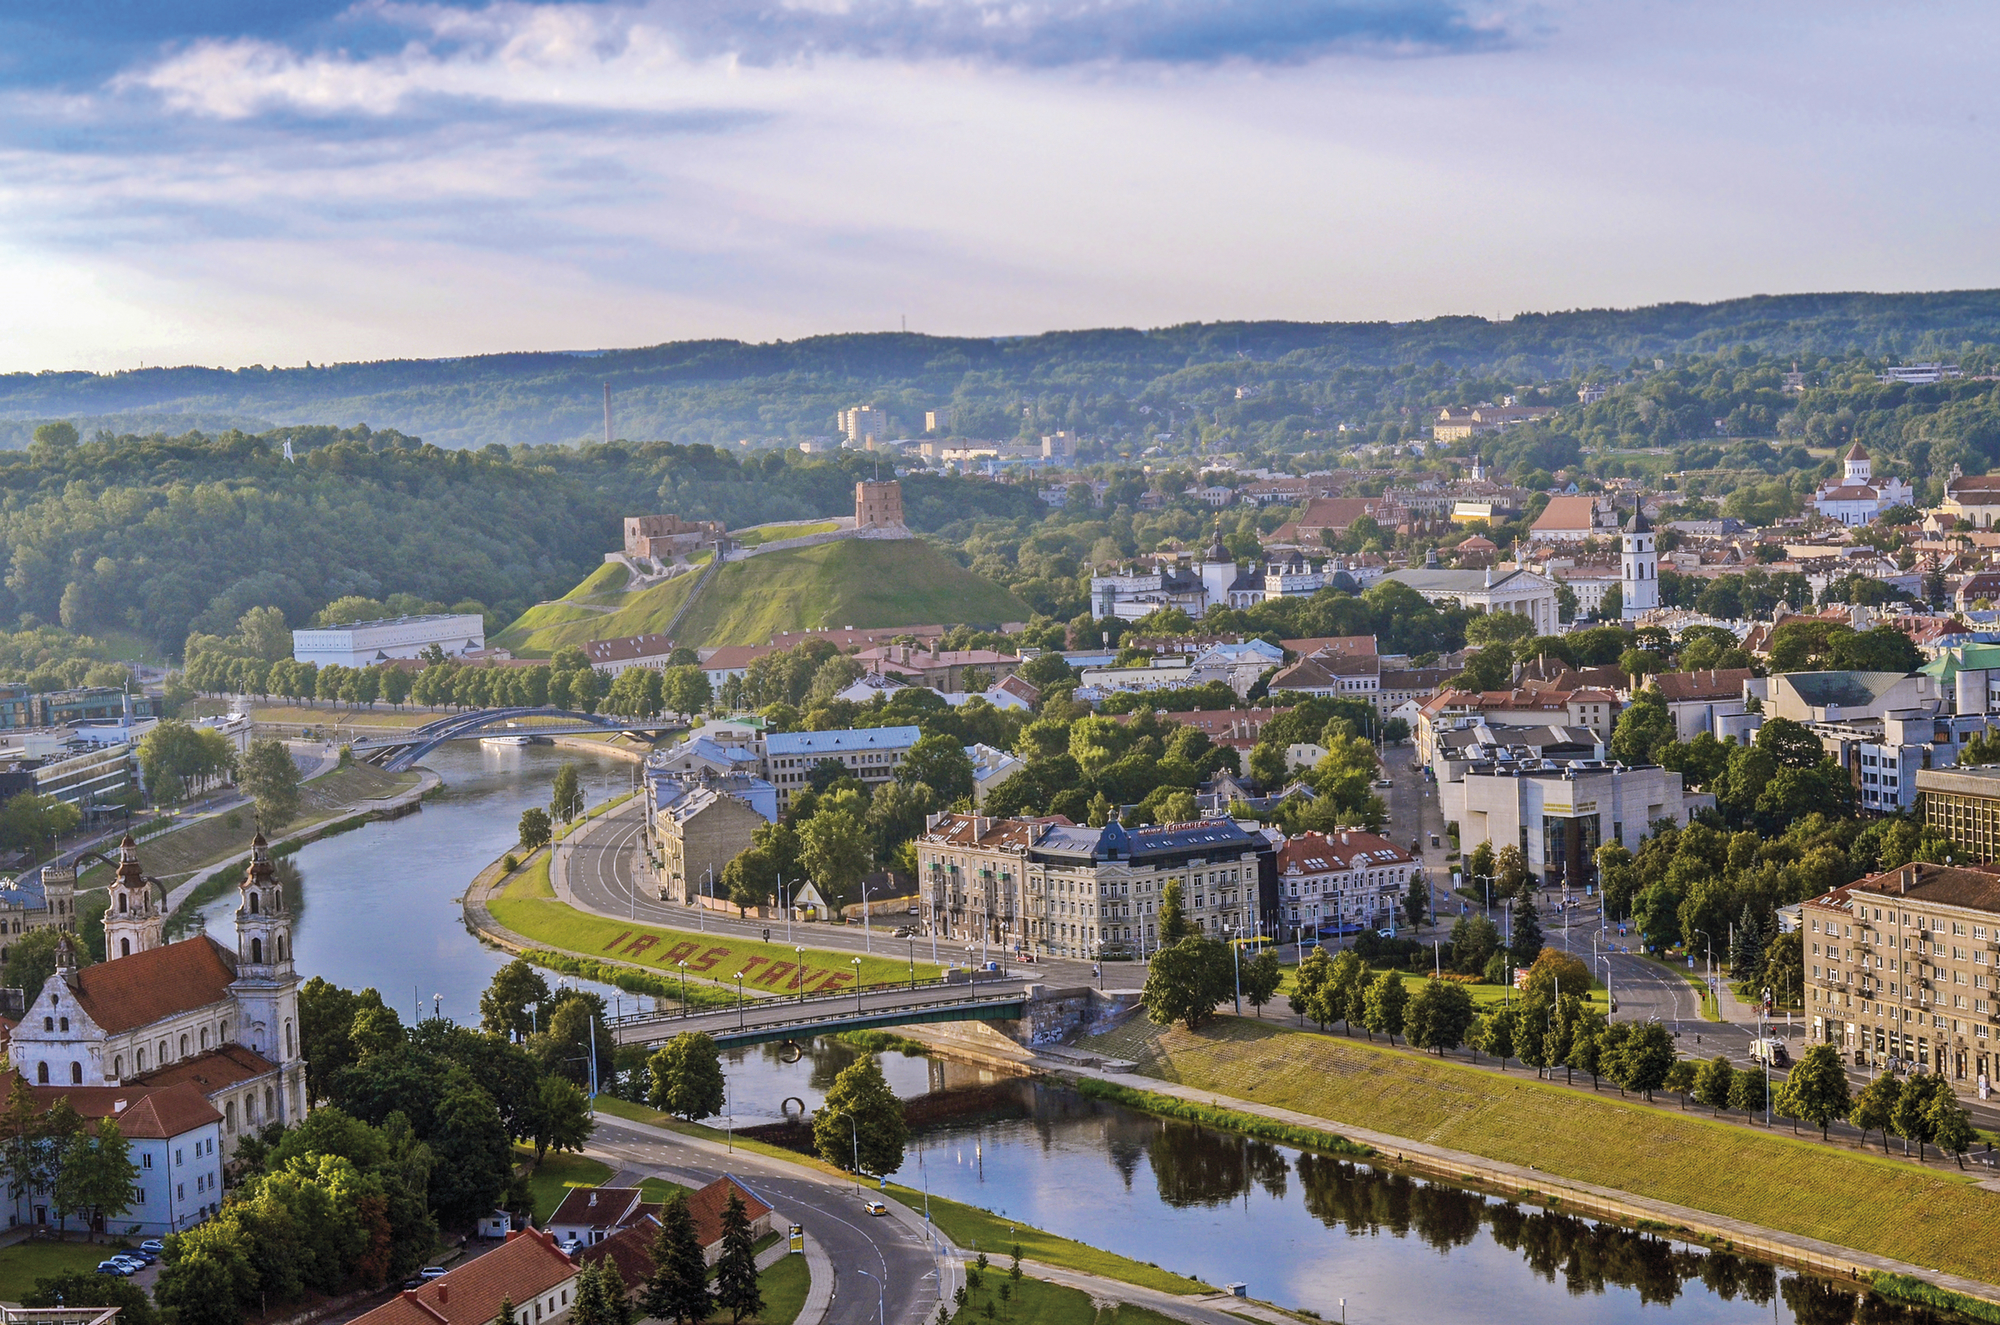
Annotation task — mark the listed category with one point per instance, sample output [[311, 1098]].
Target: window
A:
[[48, 1023], [138, 1196], [184, 1046], [76, 1074], [146, 1160], [180, 1191], [62, 1024], [177, 1157], [41, 1074], [204, 1037], [118, 1067]]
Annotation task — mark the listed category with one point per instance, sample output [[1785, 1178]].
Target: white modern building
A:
[[366, 643], [1559, 811]]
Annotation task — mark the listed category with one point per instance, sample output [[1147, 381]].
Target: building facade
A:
[[1518, 591], [1345, 881], [1558, 812], [1857, 498], [698, 833], [1901, 970], [1639, 566], [1963, 804], [870, 755], [878, 505], [365, 643]]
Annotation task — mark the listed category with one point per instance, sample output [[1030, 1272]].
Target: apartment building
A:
[[1053, 888], [1901, 970], [870, 754], [1347, 881], [1963, 804]]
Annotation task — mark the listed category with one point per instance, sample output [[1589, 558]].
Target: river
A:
[[1302, 1230]]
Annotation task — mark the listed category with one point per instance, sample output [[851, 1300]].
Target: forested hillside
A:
[[151, 538], [1302, 376]]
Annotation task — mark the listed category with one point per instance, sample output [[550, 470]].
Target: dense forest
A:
[[1297, 379]]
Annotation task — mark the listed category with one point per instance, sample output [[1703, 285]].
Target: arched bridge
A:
[[770, 1020], [400, 751]]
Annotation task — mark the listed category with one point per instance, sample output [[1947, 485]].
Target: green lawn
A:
[[528, 907], [783, 1288], [849, 583], [1483, 995], [324, 719], [572, 620], [1767, 1178], [558, 1172], [757, 535], [659, 1189], [25, 1262], [1035, 1302]]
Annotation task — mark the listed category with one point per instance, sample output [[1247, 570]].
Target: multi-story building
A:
[[1901, 969], [871, 755], [1055, 888], [1963, 804], [1348, 880], [1559, 811], [1882, 756], [1518, 591], [863, 424], [699, 825]]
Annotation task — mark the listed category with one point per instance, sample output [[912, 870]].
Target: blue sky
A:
[[234, 182]]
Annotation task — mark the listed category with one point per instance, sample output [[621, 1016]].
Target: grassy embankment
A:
[[1483, 995], [1772, 1179], [757, 535], [558, 1172], [529, 907], [966, 1225], [601, 607], [1033, 1302], [323, 720]]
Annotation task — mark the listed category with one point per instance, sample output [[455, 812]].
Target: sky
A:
[[235, 181]]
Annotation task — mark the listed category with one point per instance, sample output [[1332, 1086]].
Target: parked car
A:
[[154, 1245], [113, 1267], [1385, 782], [430, 1272]]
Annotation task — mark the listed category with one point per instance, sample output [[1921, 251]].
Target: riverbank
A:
[[1789, 1200]]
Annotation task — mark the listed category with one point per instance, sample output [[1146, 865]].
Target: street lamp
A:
[[913, 961], [1236, 959], [880, 1290], [684, 987], [739, 1000], [855, 1133], [857, 986], [1709, 988], [799, 971]]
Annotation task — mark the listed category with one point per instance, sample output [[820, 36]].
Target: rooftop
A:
[[863, 738]]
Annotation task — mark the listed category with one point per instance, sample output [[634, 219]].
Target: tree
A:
[[1186, 981], [514, 1000], [1346, 990], [678, 1288], [1174, 924], [63, 1142], [1712, 1083], [1912, 1114], [1439, 1016], [566, 794], [1874, 1109], [834, 848], [272, 780], [1526, 944], [1479, 865], [1748, 1089], [1383, 1009], [32, 960], [1510, 873], [1681, 1078], [1417, 900], [1495, 1034], [474, 1152], [1644, 1058], [686, 1077], [1950, 1128], [736, 1269], [1260, 979], [1816, 1089], [562, 1118], [1643, 728], [1307, 980], [685, 689], [535, 827], [80, 1288], [940, 763], [861, 1114], [100, 1174], [589, 1307]]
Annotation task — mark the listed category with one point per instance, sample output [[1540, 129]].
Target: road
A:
[[600, 872], [828, 1208], [829, 1012]]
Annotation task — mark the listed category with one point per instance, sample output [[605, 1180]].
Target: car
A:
[[412, 1282], [876, 1208], [430, 1272], [904, 932], [153, 1245], [1385, 782], [113, 1267]]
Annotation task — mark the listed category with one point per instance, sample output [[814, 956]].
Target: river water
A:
[[1302, 1230]]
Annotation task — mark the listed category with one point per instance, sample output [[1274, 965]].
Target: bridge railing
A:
[[961, 991]]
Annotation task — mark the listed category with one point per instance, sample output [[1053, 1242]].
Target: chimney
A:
[[1908, 878], [444, 1292]]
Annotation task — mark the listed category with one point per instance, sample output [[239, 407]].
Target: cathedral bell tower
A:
[[132, 919], [1639, 579], [266, 985]]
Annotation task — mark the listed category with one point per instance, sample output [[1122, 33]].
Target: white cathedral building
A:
[[1857, 498], [189, 1045]]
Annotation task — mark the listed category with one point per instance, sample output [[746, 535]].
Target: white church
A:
[[1857, 498], [188, 1045], [1639, 566]]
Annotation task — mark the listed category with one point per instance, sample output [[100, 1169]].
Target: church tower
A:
[[1218, 570], [132, 919], [266, 985], [1640, 564], [1860, 469]]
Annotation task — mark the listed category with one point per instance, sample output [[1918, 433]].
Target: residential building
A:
[[1882, 756], [1964, 803], [156, 1014], [1457, 424], [937, 420], [1596, 710], [1857, 498], [1323, 516], [528, 1269], [945, 671], [698, 832], [629, 1249], [1050, 887], [703, 756], [730, 660], [1489, 590], [1560, 811], [1348, 646], [990, 767], [589, 1215], [1901, 968], [1331, 675], [1573, 519], [1705, 701], [863, 424], [612, 656], [1845, 696], [365, 643], [1974, 498], [173, 1137], [1396, 687], [869, 754], [1346, 881]]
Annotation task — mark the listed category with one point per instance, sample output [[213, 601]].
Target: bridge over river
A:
[[874, 1007], [404, 749]]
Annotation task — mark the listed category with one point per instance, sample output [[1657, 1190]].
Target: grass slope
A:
[[599, 608], [1771, 1179], [850, 583], [557, 1173]]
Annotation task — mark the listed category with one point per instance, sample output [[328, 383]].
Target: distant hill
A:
[[849, 583], [719, 391]]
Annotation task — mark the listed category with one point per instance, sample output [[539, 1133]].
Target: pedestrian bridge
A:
[[404, 749], [876, 1007]]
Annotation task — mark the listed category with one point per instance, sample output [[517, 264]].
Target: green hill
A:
[[850, 583]]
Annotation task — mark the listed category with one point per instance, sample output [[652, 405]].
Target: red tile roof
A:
[[597, 1207], [1725, 683], [524, 1269], [218, 1069], [151, 986], [153, 1112], [1321, 853], [708, 1204], [630, 1251]]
